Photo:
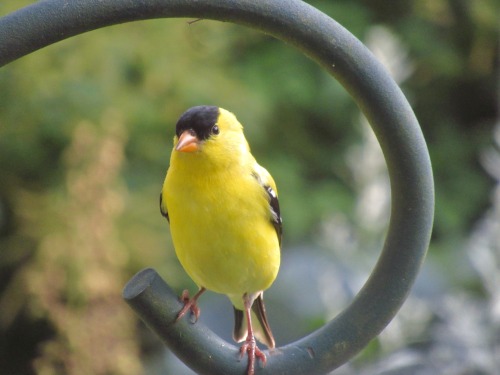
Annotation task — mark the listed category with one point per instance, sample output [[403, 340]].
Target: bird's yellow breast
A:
[[220, 226]]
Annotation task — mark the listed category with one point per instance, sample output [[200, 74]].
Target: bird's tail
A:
[[262, 330]]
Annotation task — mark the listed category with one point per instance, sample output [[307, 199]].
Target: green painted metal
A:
[[391, 117]]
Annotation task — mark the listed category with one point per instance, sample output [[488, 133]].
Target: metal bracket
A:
[[391, 117]]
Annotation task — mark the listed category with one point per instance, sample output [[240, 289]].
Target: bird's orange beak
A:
[[187, 142]]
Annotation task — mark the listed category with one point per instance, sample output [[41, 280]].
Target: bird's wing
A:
[[163, 208], [266, 181]]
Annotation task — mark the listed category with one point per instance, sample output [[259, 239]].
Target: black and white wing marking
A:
[[275, 212], [267, 182], [163, 209]]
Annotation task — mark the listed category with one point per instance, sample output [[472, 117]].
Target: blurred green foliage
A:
[[300, 124]]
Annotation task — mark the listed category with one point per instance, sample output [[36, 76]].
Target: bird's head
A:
[[210, 131]]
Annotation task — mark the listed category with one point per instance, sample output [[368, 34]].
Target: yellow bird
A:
[[225, 220]]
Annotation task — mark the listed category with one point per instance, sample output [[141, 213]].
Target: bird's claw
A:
[[250, 347], [189, 305]]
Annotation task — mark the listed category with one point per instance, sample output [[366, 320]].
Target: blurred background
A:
[[86, 130]]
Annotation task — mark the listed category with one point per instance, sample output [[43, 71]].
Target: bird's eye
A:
[[215, 130]]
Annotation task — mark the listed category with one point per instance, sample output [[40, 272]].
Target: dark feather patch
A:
[[200, 119], [274, 206], [275, 211], [259, 309], [239, 331], [163, 211], [240, 324]]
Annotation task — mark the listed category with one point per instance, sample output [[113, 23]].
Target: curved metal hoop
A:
[[380, 99]]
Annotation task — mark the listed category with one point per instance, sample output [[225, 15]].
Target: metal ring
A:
[[380, 99]]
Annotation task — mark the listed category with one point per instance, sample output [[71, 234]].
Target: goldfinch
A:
[[225, 220]]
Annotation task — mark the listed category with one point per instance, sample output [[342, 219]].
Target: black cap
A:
[[200, 119]]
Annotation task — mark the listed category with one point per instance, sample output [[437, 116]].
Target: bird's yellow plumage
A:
[[224, 215]]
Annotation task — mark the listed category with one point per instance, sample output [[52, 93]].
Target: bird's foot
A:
[[189, 305], [250, 347]]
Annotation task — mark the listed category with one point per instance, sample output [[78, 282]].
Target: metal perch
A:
[[380, 99]]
